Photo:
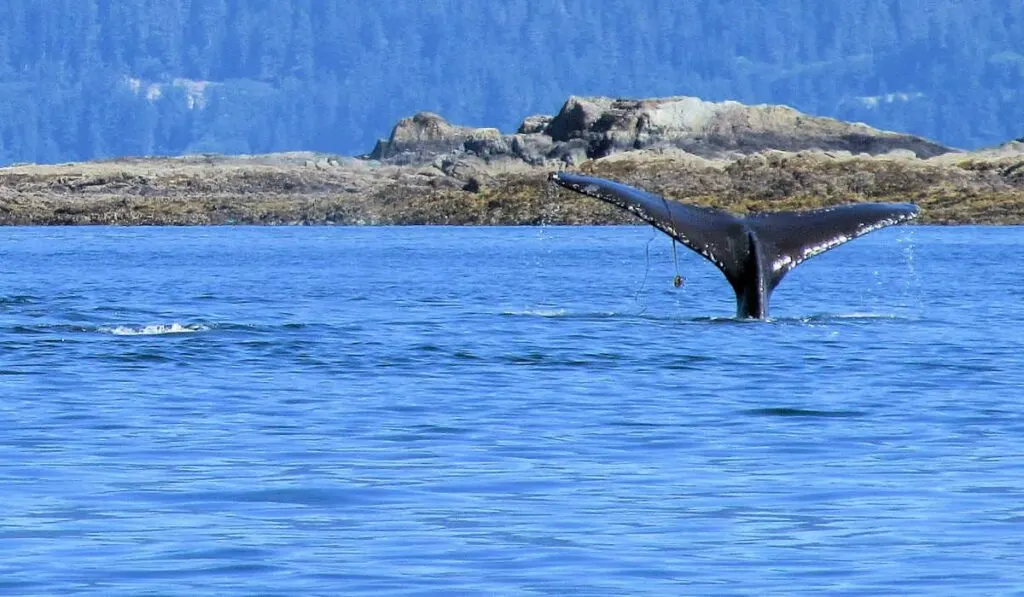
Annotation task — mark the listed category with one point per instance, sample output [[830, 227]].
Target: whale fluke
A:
[[755, 252]]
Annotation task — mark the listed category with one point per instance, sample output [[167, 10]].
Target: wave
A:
[[786, 411], [798, 319], [815, 318], [537, 313], [857, 315], [18, 299], [568, 314], [842, 318], [154, 330]]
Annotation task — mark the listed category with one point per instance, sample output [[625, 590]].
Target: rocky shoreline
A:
[[727, 155]]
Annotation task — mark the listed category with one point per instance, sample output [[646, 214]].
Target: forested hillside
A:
[[82, 79]]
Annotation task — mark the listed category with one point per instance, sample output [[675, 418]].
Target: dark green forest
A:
[[83, 79]]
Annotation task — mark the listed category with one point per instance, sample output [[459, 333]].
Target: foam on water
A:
[[154, 330]]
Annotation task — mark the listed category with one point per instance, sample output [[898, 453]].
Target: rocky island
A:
[[724, 154]]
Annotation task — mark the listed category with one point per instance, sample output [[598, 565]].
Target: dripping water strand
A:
[[911, 281], [545, 218], [641, 295]]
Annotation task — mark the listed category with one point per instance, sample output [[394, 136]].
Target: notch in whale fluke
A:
[[755, 252]]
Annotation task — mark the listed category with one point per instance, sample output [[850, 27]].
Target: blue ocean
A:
[[505, 411]]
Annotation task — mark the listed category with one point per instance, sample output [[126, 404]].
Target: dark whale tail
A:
[[755, 252]]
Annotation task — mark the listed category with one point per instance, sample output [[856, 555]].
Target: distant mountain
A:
[[99, 78]]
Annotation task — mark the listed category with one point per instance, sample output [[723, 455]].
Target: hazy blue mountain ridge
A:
[[83, 79]]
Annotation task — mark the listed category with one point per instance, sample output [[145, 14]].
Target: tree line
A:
[[84, 79]]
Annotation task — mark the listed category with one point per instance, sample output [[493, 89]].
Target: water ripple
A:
[[247, 411]]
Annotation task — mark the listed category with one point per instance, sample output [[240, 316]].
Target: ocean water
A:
[[505, 411]]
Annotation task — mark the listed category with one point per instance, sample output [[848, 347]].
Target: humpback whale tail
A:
[[755, 252]]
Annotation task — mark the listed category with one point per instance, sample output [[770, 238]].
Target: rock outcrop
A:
[[596, 127], [422, 137]]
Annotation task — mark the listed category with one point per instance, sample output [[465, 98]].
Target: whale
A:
[[755, 252]]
